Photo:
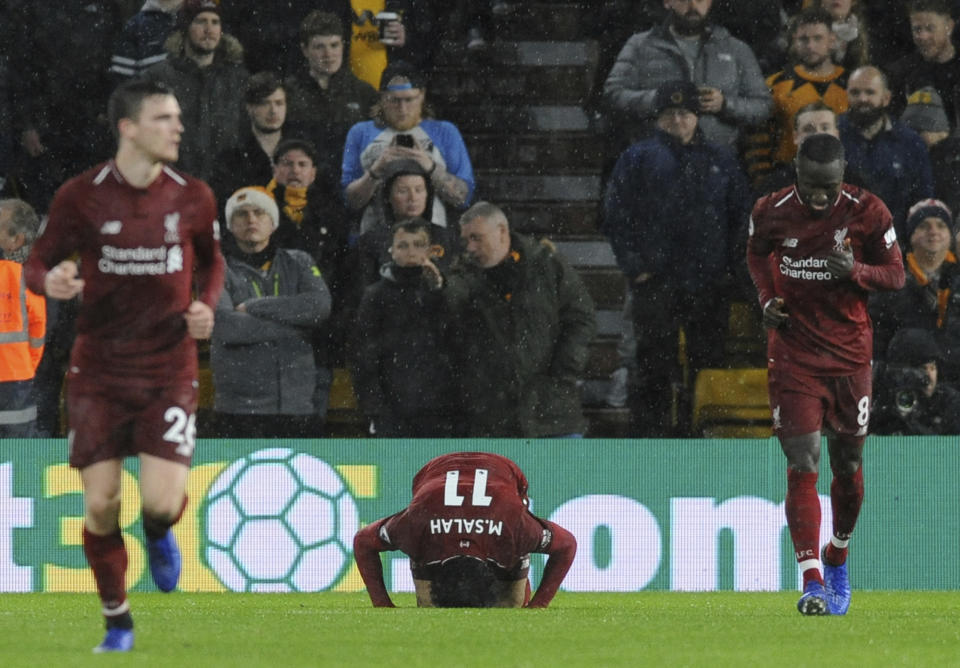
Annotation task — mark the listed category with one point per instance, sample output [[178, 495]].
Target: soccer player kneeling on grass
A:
[[469, 536], [831, 243]]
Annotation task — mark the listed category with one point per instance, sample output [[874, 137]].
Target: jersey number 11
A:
[[480, 498]]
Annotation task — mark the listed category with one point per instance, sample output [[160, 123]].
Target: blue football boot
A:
[[814, 600], [164, 557], [116, 640], [837, 584]]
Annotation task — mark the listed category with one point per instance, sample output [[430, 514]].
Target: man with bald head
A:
[[524, 322], [890, 158]]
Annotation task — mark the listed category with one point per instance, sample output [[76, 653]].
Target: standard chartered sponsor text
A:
[[801, 269], [139, 261]]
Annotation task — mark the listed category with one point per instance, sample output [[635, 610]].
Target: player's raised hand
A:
[[199, 319], [775, 314], [62, 281], [840, 263]]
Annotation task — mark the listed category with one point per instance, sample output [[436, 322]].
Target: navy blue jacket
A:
[[894, 166], [677, 211]]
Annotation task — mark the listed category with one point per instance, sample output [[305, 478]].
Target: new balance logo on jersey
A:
[[171, 228], [790, 242], [111, 227]]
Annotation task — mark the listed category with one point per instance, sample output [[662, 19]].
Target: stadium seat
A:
[[731, 403]]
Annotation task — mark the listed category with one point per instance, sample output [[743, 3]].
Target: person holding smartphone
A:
[[403, 128]]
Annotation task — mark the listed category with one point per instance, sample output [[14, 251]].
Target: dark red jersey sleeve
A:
[[60, 238], [758, 256], [882, 265], [209, 261], [560, 549], [367, 546]]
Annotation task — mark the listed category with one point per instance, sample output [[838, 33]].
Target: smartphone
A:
[[405, 140]]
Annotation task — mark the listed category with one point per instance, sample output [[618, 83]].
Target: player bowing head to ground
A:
[[832, 244], [469, 535], [146, 235]]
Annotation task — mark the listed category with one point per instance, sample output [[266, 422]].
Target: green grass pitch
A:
[[644, 629]]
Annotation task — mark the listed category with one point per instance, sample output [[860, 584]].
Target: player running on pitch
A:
[[469, 536], [146, 236], [815, 252]]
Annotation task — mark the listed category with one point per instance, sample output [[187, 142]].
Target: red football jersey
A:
[[139, 252], [467, 503], [829, 331]]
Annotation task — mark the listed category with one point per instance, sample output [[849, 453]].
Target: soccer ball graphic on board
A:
[[279, 520]]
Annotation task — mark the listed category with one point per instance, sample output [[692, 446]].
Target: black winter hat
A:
[[912, 346]]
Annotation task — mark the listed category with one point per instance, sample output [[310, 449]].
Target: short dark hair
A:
[[319, 23], [821, 148], [412, 226], [288, 145], [942, 7], [464, 582], [818, 105], [126, 100], [260, 86], [810, 16]]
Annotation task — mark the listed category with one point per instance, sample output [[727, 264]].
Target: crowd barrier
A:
[[683, 515]]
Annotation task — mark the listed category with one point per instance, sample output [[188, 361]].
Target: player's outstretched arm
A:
[[561, 551], [367, 547]]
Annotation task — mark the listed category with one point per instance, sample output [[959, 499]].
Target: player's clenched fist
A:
[[840, 263], [775, 314], [199, 319], [62, 281]]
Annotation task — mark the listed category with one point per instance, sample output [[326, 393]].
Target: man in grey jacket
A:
[[687, 47], [261, 353]]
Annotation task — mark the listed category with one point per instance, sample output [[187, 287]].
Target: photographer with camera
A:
[[909, 400]]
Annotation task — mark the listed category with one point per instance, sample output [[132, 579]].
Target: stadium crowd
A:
[[349, 210]]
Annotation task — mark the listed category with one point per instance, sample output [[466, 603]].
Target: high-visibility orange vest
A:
[[23, 324]]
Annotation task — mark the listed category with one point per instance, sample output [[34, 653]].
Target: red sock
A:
[[803, 518], [846, 497], [154, 527], [107, 557]]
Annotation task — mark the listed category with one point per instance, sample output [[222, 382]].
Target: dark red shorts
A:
[[804, 404], [112, 421]]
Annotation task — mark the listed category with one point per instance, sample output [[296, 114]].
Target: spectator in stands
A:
[[141, 42], [407, 193], [687, 46], [909, 396], [925, 115], [326, 98], [250, 160], [312, 218], [403, 128], [59, 56], [403, 368], [261, 350], [930, 299], [205, 70], [675, 211], [814, 77], [851, 49], [934, 62], [891, 158], [523, 325], [22, 322]]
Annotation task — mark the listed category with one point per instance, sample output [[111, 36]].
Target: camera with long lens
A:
[[900, 388]]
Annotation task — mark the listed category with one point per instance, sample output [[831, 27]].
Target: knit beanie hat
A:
[[191, 8], [924, 111], [256, 196], [913, 347], [682, 94], [927, 208]]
